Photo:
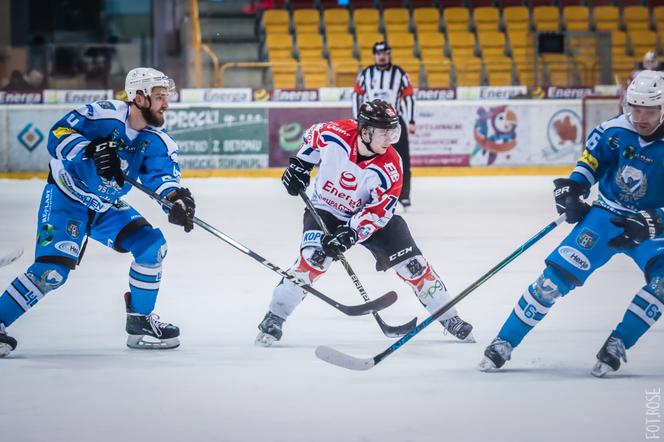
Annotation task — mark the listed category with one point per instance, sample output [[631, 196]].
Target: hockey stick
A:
[[389, 330], [11, 257], [351, 310], [335, 357]]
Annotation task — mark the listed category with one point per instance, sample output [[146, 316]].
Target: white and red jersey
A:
[[366, 193]]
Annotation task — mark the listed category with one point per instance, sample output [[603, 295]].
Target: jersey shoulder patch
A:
[[104, 110]]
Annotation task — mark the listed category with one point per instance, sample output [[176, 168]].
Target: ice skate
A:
[[270, 330], [147, 332], [495, 355], [459, 328], [7, 343], [609, 356], [405, 203]]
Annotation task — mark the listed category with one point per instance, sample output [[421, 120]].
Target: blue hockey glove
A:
[[338, 242], [104, 153], [568, 195], [296, 176], [184, 207], [637, 227]]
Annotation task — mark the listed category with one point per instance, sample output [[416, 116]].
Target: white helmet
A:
[[647, 89], [144, 79]]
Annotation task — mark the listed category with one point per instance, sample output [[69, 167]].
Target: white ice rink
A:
[[73, 379]]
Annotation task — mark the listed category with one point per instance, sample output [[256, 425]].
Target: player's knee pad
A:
[[48, 276], [550, 286], [412, 269], [312, 263], [148, 246]]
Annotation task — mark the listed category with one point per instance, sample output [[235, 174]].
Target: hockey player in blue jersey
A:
[[92, 148], [625, 157]]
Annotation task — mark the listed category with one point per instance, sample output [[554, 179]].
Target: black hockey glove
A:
[[184, 207], [568, 195], [296, 176], [637, 227], [105, 155], [338, 242]]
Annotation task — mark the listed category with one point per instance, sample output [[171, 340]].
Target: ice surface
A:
[[73, 379]]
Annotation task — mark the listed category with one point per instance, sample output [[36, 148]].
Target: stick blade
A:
[[335, 357], [396, 331], [11, 257]]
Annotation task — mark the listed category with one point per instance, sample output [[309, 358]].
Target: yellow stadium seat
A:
[[636, 18], [340, 45], [606, 18], [491, 43], [546, 18], [526, 73], [516, 18], [276, 17], [438, 72], [314, 74], [431, 43], [284, 75], [462, 44], [426, 19], [344, 74], [402, 44], [642, 42], [618, 43], [279, 46], [276, 28], [622, 67], [499, 71], [456, 19], [559, 72], [396, 20], [486, 18], [306, 20], [522, 46], [658, 17], [576, 18], [366, 20], [367, 40], [336, 20], [309, 46], [468, 71]]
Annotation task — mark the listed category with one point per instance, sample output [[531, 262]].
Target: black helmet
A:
[[381, 46], [379, 114]]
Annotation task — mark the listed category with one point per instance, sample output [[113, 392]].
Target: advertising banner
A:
[[27, 136], [76, 96], [212, 138], [295, 95], [511, 133], [335, 94], [218, 95], [21, 97], [491, 92], [287, 125], [437, 94]]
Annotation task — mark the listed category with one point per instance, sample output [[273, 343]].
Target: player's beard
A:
[[153, 118]]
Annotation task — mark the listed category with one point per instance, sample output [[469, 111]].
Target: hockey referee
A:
[[389, 82]]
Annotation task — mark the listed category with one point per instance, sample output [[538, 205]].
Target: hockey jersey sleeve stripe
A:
[[384, 181], [332, 139], [585, 173], [64, 148], [167, 186]]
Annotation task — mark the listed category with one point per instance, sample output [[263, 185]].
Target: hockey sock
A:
[[642, 313], [311, 264], [149, 249], [27, 289], [426, 284], [533, 305]]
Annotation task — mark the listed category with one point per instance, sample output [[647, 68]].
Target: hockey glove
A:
[[184, 207], [104, 153], [637, 227], [339, 241], [568, 195], [296, 176]]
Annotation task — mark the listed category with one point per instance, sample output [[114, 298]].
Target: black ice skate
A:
[[146, 332], [495, 355], [609, 356], [270, 330], [459, 328], [7, 343]]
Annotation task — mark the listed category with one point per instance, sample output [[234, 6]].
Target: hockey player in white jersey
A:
[[92, 149], [356, 192]]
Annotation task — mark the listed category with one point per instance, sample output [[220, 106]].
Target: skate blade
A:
[[265, 340], [487, 366], [600, 369], [145, 342], [470, 339], [5, 349]]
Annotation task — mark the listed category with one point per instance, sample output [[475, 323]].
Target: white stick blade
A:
[[335, 357], [11, 257]]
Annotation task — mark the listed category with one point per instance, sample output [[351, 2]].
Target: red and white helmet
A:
[[144, 80]]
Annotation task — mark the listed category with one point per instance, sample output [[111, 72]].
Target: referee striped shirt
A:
[[390, 84]]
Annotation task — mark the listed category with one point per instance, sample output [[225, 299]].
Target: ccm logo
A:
[[401, 253], [348, 181]]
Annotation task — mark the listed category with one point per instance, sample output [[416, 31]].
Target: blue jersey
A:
[[149, 155], [629, 170]]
